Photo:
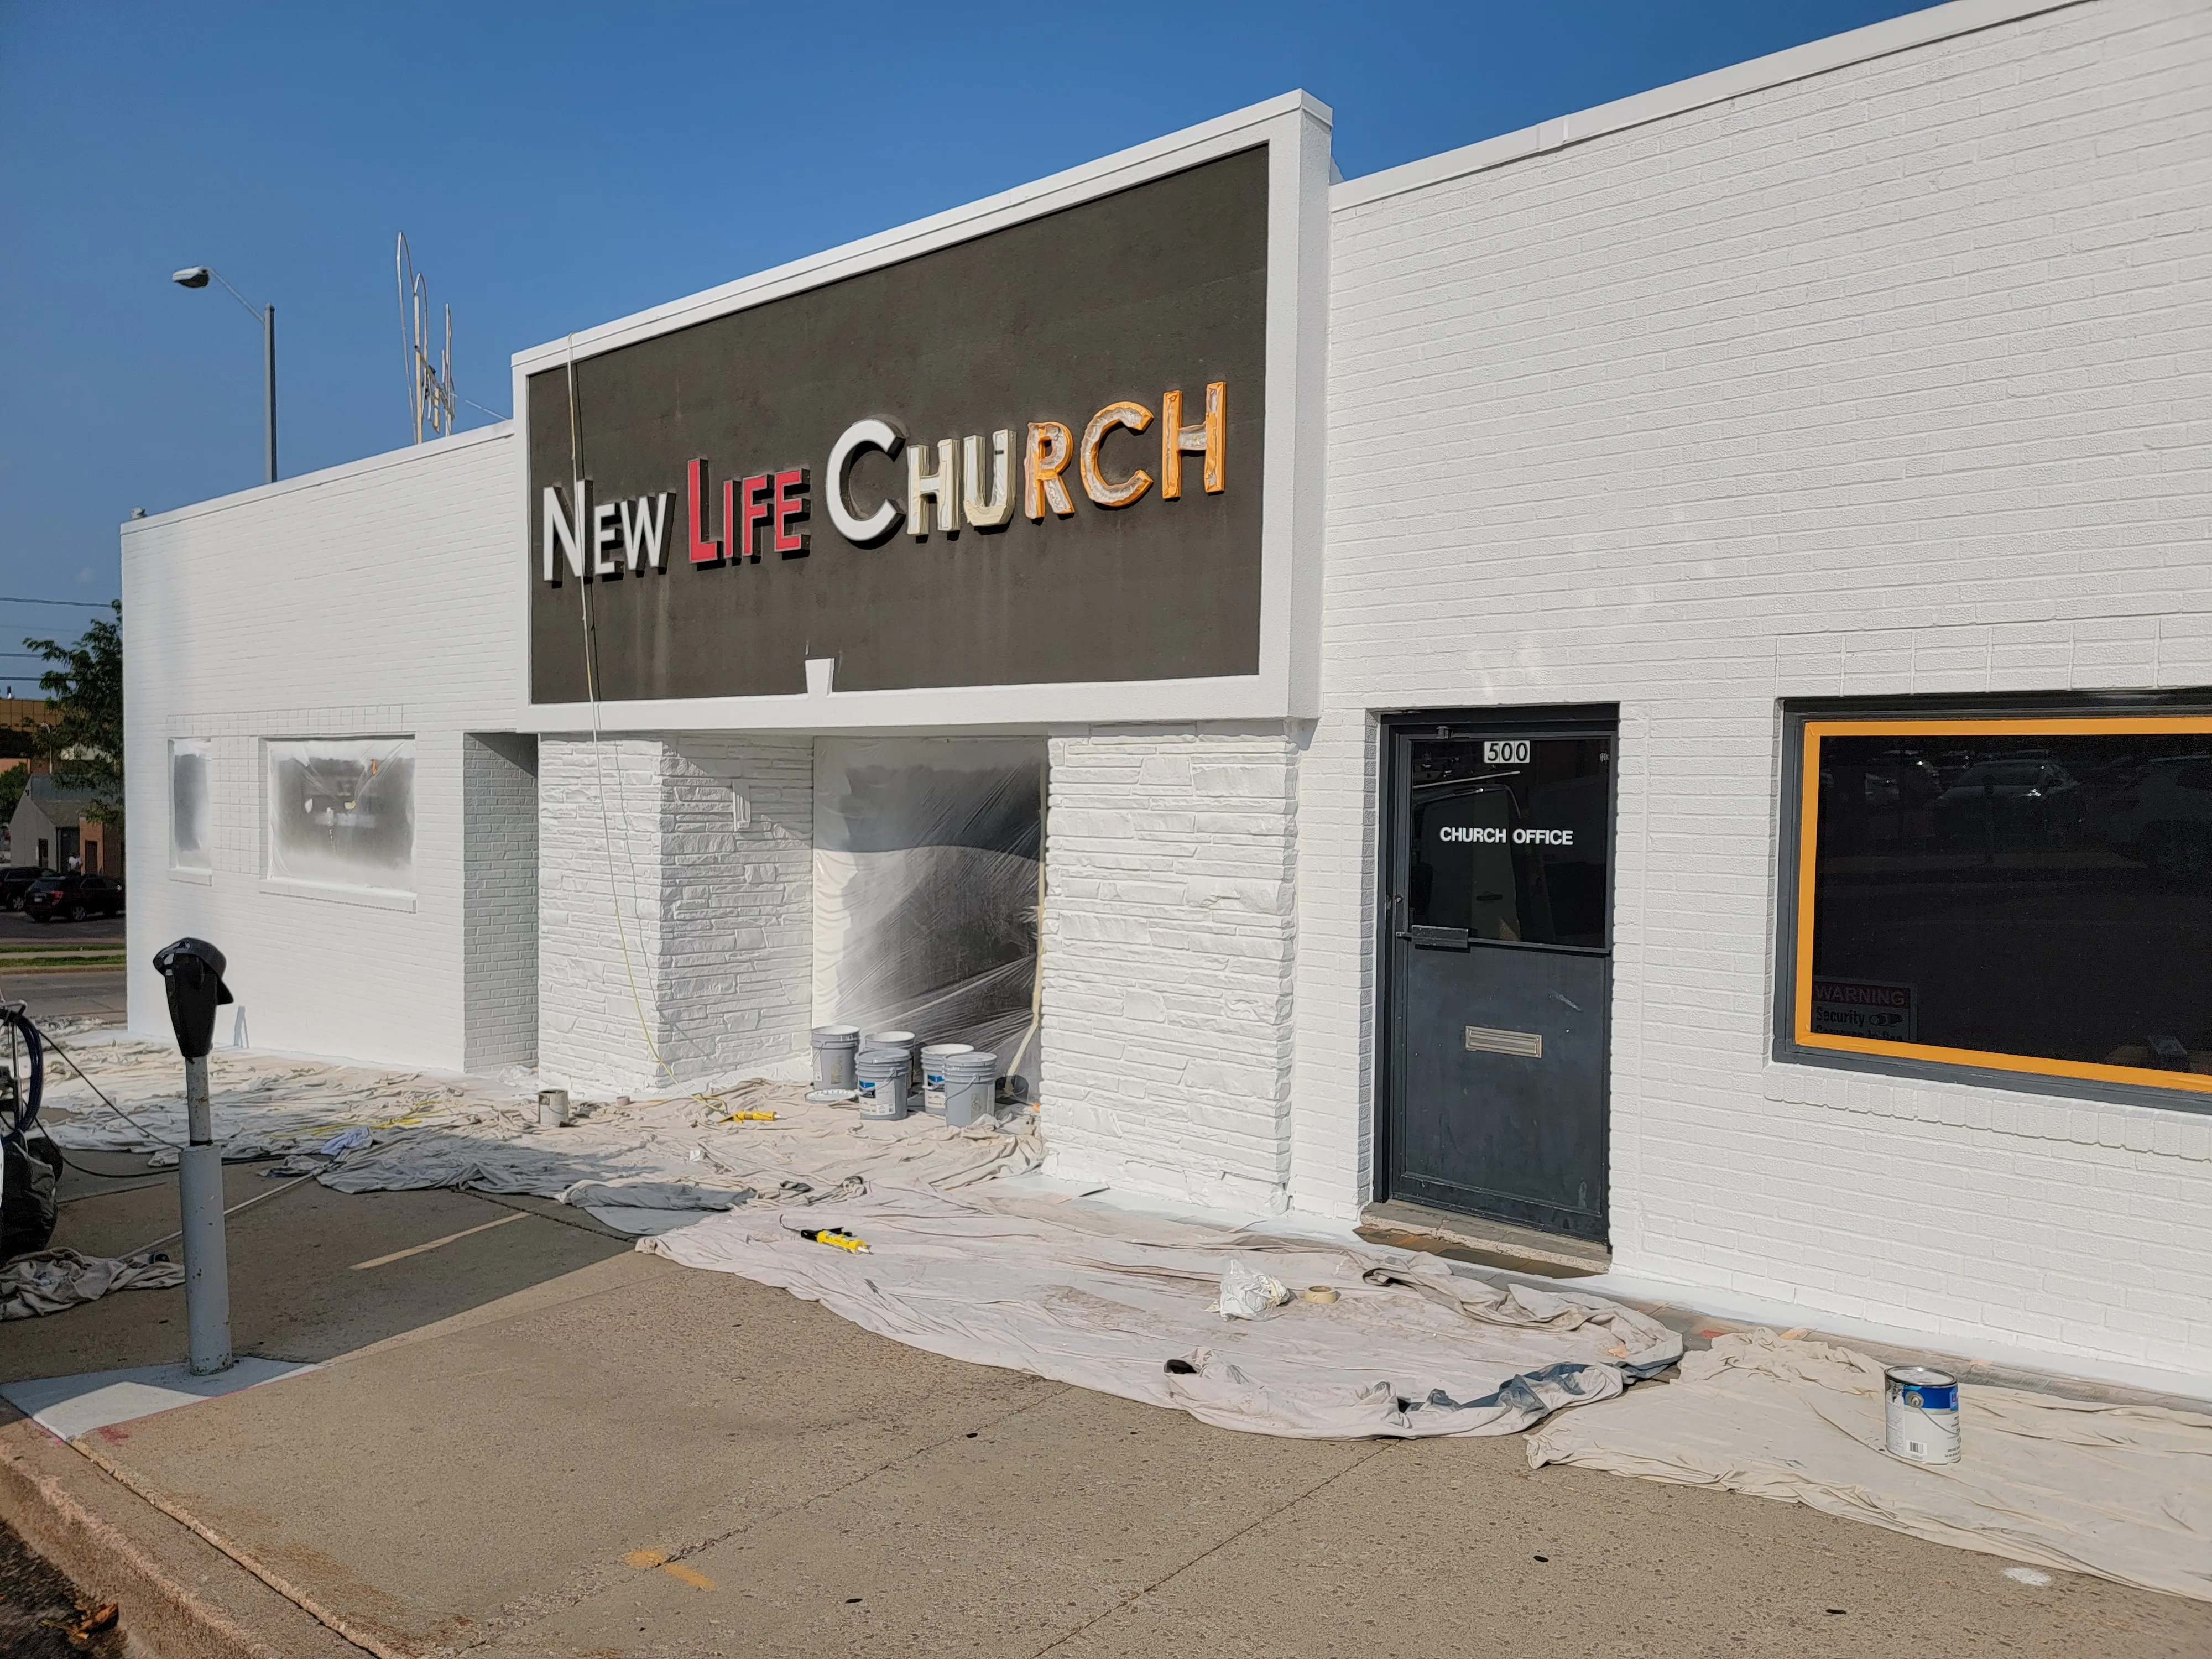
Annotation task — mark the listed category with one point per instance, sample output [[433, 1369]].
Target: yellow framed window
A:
[[2025, 894]]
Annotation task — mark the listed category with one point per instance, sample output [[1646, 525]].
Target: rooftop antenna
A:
[[430, 400]]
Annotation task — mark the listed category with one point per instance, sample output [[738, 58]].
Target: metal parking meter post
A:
[[199, 1201], [193, 971]]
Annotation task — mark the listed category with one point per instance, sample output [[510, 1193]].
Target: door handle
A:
[[1398, 929]]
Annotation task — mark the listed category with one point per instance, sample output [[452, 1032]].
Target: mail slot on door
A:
[[1487, 1040]]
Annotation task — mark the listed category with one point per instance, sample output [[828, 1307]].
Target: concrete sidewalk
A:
[[530, 1439]]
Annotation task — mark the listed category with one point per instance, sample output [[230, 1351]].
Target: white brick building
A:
[[1862, 395]]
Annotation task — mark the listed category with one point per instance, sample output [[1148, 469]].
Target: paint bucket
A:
[[833, 1049], [883, 1072], [971, 1084], [1921, 1415], [552, 1109], [906, 1040], [932, 1074]]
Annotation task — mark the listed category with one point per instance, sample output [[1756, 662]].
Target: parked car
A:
[[2013, 800], [76, 897], [16, 882], [2163, 817]]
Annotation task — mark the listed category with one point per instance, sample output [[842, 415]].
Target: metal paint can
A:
[[552, 1109], [932, 1074], [1920, 1415]]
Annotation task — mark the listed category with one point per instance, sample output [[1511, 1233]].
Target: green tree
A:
[[84, 687]]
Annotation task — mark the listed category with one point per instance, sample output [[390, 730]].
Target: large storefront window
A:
[[2031, 895]]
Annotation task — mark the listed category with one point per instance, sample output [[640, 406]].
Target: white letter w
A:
[[644, 529]]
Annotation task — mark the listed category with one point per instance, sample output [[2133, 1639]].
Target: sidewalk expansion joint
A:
[[557, 1601], [1137, 1595]]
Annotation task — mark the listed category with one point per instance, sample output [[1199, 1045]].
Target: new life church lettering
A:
[[953, 483]]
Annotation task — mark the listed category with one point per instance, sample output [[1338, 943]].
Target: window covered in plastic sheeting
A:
[[192, 827], [342, 812], [928, 868]]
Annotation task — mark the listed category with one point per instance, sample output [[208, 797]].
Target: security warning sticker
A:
[[1864, 1008]]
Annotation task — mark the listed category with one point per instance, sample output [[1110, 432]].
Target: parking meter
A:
[[193, 969]]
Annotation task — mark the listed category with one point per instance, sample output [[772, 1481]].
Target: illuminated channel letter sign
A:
[[1034, 457]]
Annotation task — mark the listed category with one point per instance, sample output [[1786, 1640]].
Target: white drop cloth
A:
[[1086, 1295], [47, 1281], [1118, 1302], [2121, 1491], [673, 1155]]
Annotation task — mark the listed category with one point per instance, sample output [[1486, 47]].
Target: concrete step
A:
[[1487, 1243]]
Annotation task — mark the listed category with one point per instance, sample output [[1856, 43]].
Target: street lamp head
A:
[[191, 277]]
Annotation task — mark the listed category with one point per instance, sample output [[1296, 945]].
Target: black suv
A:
[[14, 883], [74, 897]]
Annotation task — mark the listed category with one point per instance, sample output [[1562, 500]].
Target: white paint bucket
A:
[[972, 1086], [833, 1049], [1920, 1415], [552, 1109], [932, 1074], [906, 1040], [883, 1072]]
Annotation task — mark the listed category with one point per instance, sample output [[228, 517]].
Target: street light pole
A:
[[199, 276]]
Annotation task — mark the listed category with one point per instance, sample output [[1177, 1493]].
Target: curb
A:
[[179, 1596]]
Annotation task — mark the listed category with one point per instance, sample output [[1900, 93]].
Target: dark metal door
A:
[[1500, 971]]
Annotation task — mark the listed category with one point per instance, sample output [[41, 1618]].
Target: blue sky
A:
[[556, 165]]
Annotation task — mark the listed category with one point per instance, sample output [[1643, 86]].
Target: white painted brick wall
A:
[[1170, 938], [704, 856], [372, 599], [1894, 379], [499, 853]]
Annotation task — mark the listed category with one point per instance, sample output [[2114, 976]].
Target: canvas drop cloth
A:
[[959, 1263], [2121, 1491], [1118, 1302], [47, 1281], [637, 1166]]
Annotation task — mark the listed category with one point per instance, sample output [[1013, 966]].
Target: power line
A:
[[87, 605]]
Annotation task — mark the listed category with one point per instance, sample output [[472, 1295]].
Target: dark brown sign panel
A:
[[1146, 298]]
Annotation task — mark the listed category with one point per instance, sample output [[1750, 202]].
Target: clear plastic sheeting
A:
[[190, 829], [342, 812], [925, 888]]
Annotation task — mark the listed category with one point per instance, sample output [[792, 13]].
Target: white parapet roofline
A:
[[490, 432], [1821, 56]]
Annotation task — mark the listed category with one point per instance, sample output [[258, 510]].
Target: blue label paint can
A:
[[1921, 1415]]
